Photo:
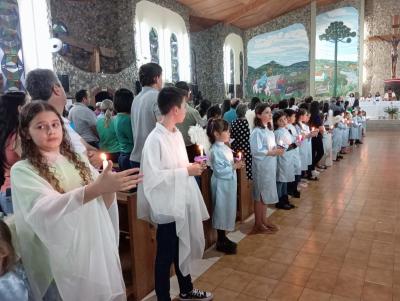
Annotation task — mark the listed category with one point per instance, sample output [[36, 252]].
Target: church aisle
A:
[[342, 243]]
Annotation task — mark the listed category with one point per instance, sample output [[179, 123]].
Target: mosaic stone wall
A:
[[377, 61], [208, 48], [109, 24]]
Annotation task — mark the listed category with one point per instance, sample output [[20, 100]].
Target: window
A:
[[174, 58], [233, 69], [153, 39], [161, 37]]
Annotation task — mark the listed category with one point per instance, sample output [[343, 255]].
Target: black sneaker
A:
[[196, 294], [226, 247]]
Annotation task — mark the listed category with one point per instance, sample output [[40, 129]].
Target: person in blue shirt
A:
[[230, 115], [223, 183]]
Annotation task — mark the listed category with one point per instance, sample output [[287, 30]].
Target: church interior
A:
[[333, 232]]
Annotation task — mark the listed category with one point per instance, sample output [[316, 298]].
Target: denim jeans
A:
[[123, 161], [6, 205], [168, 253]]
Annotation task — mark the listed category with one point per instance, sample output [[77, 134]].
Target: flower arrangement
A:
[[392, 111]]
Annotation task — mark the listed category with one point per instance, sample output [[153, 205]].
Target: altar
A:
[[376, 109]]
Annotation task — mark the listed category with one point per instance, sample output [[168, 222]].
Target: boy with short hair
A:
[[170, 198]]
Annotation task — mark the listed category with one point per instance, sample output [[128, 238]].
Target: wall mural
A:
[[12, 74], [278, 64], [340, 27]]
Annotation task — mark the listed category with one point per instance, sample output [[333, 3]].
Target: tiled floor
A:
[[342, 243]]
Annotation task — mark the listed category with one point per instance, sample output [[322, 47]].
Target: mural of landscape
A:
[[347, 74], [278, 65]]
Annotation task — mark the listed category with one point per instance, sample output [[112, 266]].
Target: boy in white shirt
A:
[[171, 198]]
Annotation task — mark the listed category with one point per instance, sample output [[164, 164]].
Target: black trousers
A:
[[317, 150], [168, 253]]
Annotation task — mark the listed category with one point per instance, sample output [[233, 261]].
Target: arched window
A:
[[174, 58], [239, 93], [161, 36], [232, 67], [233, 46], [153, 38]]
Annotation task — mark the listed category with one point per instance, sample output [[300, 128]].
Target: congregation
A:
[[61, 196]]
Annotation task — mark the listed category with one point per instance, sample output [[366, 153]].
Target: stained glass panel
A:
[[174, 58], [154, 52], [12, 67]]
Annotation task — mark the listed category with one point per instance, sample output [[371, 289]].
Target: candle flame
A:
[[103, 156], [201, 148], [240, 156]]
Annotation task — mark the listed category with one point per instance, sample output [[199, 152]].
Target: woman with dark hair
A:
[[316, 123], [254, 102], [226, 106], [204, 105], [10, 105], [240, 133]]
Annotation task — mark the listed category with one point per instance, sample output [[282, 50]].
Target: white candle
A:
[[239, 156], [281, 142], [103, 157], [201, 148]]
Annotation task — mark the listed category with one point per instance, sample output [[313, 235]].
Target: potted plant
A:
[[392, 111]]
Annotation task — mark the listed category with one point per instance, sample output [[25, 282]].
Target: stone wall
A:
[[377, 59], [208, 47], [104, 23]]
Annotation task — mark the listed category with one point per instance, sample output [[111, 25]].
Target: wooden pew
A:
[[245, 206], [137, 248], [210, 234]]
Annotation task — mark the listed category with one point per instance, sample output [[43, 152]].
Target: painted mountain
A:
[[278, 65]]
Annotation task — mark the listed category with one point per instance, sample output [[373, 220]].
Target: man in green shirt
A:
[[192, 118]]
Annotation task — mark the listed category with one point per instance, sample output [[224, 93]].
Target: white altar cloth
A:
[[376, 110]]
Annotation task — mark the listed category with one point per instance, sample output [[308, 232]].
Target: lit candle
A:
[[103, 157], [331, 127], [239, 156], [312, 129], [201, 148], [300, 137]]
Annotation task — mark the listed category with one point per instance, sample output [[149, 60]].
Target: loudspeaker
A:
[[64, 79]]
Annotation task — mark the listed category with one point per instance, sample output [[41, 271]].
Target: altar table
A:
[[376, 110]]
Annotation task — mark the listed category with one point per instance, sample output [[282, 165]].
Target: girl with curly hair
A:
[[66, 213]]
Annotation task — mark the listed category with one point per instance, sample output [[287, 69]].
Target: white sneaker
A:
[[315, 173]]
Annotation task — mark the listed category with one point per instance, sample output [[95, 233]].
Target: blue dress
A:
[[354, 130], [223, 187], [264, 167], [296, 152], [285, 170], [337, 139], [14, 285]]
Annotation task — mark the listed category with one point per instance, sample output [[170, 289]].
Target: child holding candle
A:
[[264, 151], [285, 169], [296, 138], [171, 198], [66, 214], [223, 183], [336, 139], [305, 146]]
